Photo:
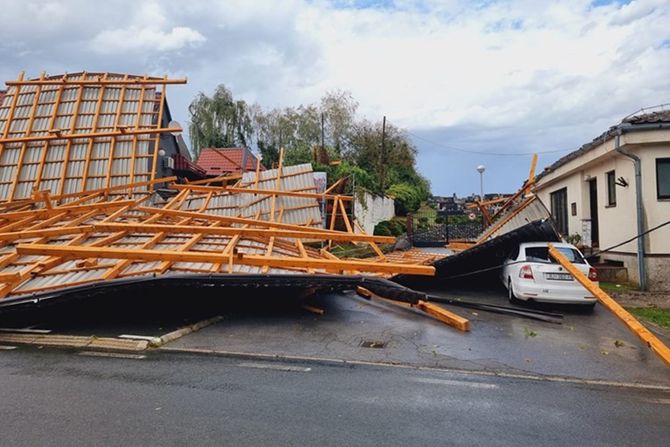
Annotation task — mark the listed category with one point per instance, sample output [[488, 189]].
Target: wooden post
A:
[[633, 324]]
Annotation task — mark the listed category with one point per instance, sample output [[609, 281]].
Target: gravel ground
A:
[[631, 298]]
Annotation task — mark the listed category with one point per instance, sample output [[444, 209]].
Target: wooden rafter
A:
[[72, 252]]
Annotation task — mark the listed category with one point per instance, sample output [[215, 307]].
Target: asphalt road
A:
[[588, 345], [64, 398]]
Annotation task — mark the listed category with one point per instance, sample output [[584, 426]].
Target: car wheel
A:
[[510, 292], [589, 307]]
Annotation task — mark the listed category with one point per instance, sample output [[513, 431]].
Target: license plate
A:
[[558, 276]]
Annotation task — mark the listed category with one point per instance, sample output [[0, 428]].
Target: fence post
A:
[[409, 222]]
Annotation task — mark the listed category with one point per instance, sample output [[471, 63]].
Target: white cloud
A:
[[530, 73], [146, 39]]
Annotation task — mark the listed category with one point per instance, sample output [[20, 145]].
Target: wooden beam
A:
[[159, 122], [222, 178], [445, 316], [237, 220], [10, 115], [43, 213], [94, 82], [268, 192], [437, 312], [531, 174], [507, 218], [73, 126], [277, 184], [94, 128], [630, 321], [43, 232], [24, 147], [346, 218], [247, 232], [335, 185], [129, 186], [45, 146], [71, 252], [57, 135]]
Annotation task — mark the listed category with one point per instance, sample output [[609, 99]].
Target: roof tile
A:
[[220, 161]]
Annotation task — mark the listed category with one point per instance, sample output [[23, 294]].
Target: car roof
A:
[[544, 244]]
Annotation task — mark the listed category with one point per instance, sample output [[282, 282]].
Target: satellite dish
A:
[[175, 125]]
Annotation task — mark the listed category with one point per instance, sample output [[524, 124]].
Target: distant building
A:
[[225, 161], [592, 194], [448, 204]]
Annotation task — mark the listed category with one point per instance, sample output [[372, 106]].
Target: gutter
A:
[[641, 267]]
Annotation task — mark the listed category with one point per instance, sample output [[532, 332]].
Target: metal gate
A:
[[427, 229]]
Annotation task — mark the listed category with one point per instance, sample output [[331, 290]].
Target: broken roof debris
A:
[[80, 202], [85, 202]]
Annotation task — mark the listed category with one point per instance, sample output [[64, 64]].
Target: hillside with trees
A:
[[376, 156]]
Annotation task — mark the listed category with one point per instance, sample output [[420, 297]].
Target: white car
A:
[[530, 274]]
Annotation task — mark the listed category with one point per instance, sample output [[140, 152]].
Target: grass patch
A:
[[616, 287], [355, 251], [656, 315]]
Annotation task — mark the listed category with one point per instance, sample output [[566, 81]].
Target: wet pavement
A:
[[593, 346], [58, 398]]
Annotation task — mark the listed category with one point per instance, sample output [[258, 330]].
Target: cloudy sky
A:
[[471, 81]]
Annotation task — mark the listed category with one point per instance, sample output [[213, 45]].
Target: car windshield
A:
[[541, 254]]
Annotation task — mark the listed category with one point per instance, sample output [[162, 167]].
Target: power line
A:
[[488, 269], [504, 154]]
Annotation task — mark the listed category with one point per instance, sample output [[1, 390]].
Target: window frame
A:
[[564, 218], [658, 183], [610, 177]]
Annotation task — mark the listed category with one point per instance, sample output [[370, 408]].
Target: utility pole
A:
[[382, 155], [322, 132]]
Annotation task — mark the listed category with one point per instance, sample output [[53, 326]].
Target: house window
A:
[[611, 188], [559, 210], [663, 178], [573, 208]]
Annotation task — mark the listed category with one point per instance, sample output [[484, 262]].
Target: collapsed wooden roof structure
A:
[[87, 199], [81, 201]]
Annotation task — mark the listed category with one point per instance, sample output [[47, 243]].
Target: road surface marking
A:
[[25, 330], [488, 386], [115, 355], [660, 401], [7, 348], [138, 337], [275, 367]]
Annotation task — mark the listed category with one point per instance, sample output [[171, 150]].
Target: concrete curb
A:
[[351, 363], [75, 341], [174, 335]]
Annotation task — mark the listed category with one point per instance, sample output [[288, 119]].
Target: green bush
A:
[[397, 227], [383, 229], [390, 228], [439, 220], [407, 198]]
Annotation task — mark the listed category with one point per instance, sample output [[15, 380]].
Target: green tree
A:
[[339, 112], [219, 121]]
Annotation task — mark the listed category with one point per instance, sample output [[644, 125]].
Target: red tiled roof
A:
[[221, 161]]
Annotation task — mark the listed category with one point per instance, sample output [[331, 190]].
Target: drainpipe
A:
[[640, 210]]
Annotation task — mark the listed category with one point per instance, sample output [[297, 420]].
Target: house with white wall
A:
[[614, 188]]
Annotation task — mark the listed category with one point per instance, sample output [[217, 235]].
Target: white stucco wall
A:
[[375, 209], [619, 222], [616, 223]]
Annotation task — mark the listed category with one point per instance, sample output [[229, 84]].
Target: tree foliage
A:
[[219, 121], [407, 198], [390, 167]]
